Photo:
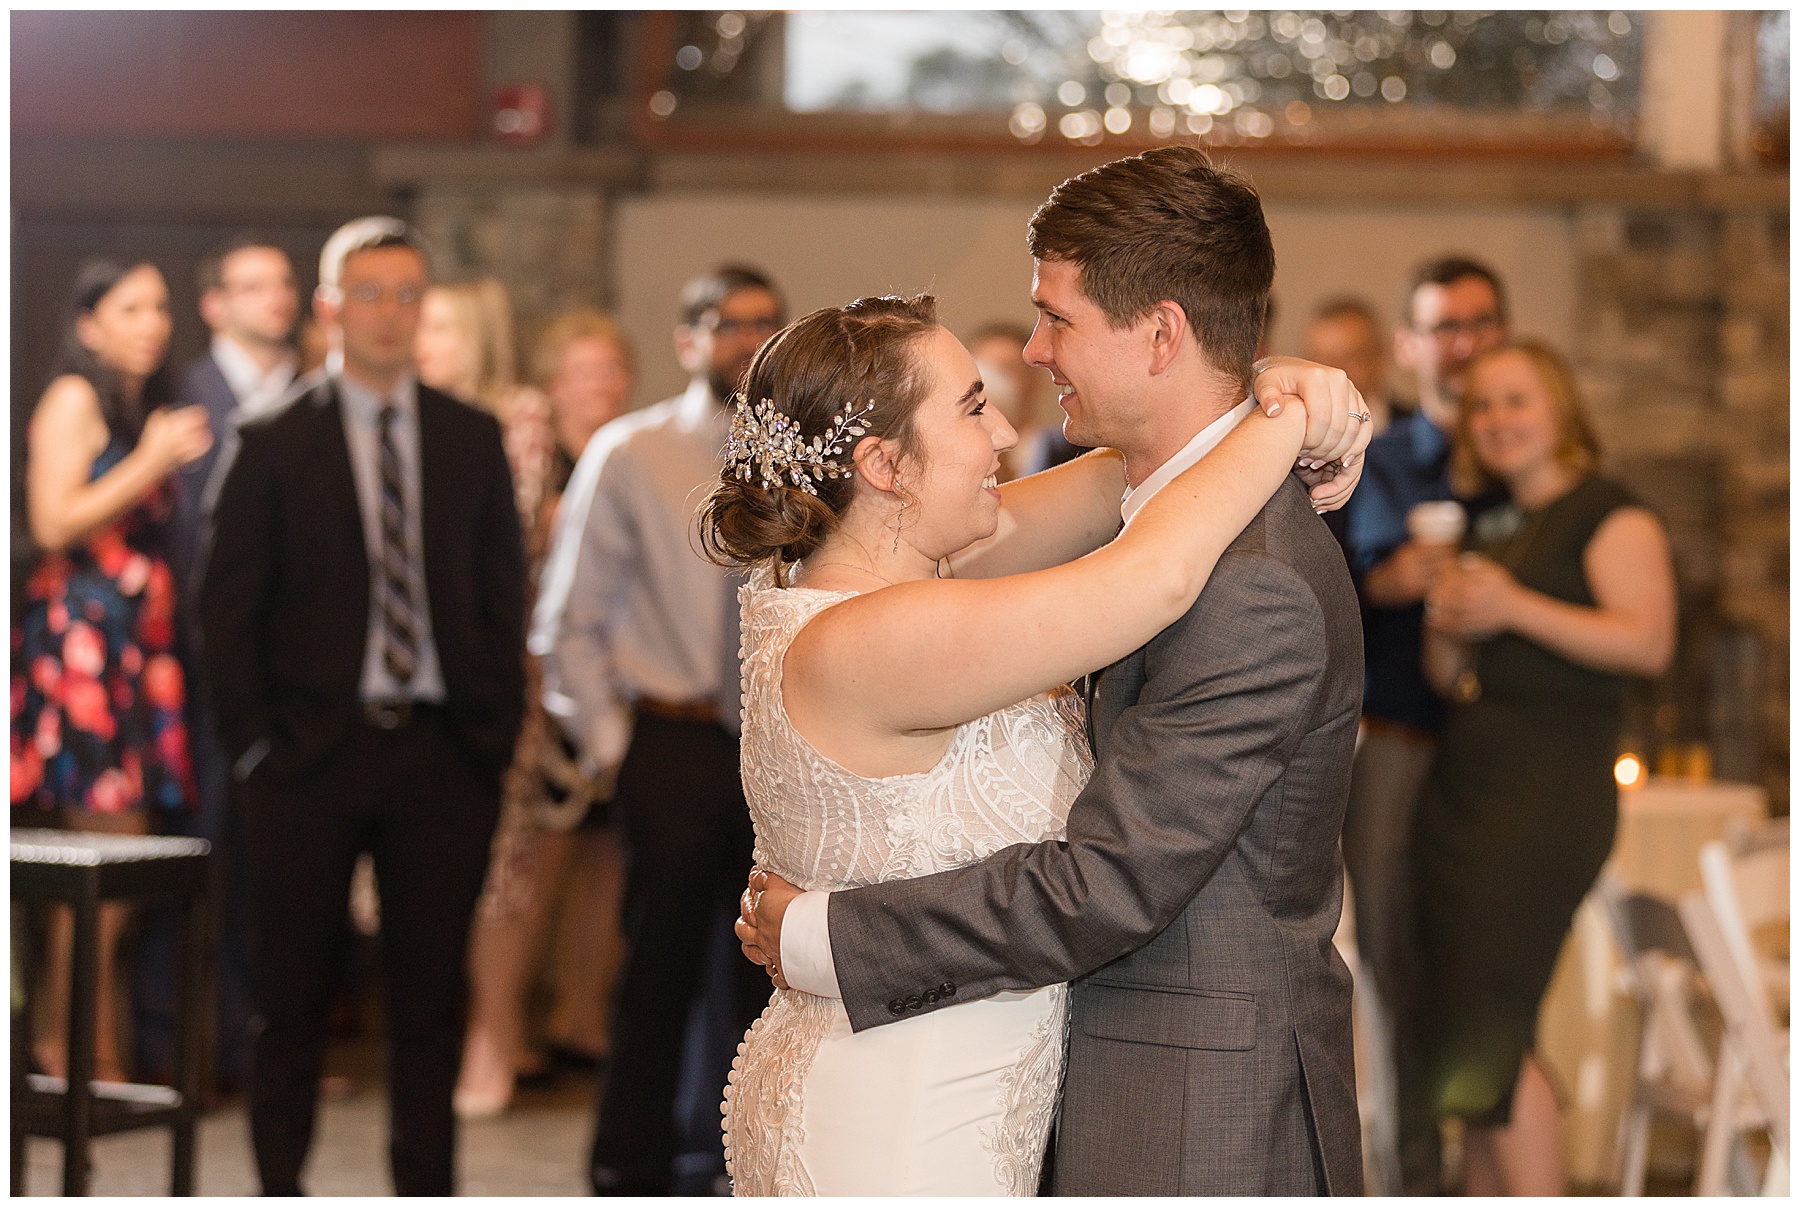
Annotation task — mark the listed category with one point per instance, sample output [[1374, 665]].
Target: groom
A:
[[1195, 897]]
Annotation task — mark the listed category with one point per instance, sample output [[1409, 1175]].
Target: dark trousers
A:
[[155, 981], [409, 798], [689, 835], [1386, 781]]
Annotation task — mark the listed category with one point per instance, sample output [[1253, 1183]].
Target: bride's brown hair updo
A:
[[811, 370]]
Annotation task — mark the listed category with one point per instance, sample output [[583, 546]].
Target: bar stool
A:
[[81, 870]]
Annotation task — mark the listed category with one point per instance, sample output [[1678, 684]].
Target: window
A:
[[1376, 79]]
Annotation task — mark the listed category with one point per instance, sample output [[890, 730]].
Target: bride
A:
[[909, 630]]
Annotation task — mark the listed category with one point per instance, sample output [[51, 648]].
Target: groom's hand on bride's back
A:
[[760, 911], [1338, 428]]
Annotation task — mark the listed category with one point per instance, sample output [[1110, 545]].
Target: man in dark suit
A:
[[1194, 899], [249, 302], [363, 612]]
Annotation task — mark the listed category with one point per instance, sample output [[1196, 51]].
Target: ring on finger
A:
[[1360, 416]]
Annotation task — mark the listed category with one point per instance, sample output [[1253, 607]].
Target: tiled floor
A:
[[539, 1147]]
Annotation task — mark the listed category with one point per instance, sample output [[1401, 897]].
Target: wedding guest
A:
[[1017, 389], [1345, 333], [584, 364], [249, 302], [639, 638], [1454, 309], [1564, 594], [363, 609], [465, 347], [99, 735], [589, 369]]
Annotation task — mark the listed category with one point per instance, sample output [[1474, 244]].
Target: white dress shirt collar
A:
[[699, 409], [256, 390], [1203, 443], [364, 402]]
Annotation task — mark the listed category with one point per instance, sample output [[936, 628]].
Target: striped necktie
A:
[[399, 611]]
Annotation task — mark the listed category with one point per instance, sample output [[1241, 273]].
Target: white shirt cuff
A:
[[806, 946], [607, 740]]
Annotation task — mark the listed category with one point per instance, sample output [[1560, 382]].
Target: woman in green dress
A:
[[1563, 594]]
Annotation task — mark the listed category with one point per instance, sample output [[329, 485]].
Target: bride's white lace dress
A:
[[955, 1101]]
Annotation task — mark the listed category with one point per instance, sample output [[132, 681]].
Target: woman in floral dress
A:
[[98, 737]]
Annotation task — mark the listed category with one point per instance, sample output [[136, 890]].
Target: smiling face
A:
[[1450, 326], [1098, 369], [1513, 422], [128, 329], [950, 486]]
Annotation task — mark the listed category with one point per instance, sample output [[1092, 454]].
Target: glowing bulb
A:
[[1628, 771]]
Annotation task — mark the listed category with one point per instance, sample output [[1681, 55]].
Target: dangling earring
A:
[[899, 522]]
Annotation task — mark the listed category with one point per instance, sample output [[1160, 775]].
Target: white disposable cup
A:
[[1437, 523]]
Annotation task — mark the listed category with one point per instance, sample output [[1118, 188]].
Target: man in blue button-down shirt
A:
[[1455, 309]]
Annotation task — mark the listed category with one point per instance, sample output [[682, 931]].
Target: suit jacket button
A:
[[932, 997], [897, 1006], [947, 989], [913, 1003]]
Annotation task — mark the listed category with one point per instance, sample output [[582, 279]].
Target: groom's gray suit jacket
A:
[[1193, 903]]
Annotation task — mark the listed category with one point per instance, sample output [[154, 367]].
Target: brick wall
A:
[[1683, 356], [548, 245]]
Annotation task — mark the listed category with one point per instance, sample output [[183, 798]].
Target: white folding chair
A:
[[1674, 1073], [1750, 1089], [1746, 881]]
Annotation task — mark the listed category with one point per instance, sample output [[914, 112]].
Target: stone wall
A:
[[1683, 358], [549, 245]]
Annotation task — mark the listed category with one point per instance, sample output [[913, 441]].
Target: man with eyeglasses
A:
[[638, 634], [362, 607], [1454, 310]]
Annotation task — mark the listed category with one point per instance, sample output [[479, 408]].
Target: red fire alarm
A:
[[521, 114]]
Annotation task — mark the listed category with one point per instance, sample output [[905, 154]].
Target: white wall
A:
[[822, 251], [971, 254]]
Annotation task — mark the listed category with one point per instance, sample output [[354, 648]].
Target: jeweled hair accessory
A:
[[769, 447]]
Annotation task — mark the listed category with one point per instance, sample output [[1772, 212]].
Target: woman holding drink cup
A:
[[1563, 593]]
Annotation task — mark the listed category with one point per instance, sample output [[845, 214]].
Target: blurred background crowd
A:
[[1550, 249]]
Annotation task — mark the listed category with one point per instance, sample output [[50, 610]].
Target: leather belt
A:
[[696, 712]]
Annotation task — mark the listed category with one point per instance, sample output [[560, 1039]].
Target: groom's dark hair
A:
[[1167, 225]]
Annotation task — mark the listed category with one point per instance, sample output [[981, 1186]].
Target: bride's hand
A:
[[1337, 419]]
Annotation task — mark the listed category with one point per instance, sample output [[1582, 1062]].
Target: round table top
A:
[[1660, 794]]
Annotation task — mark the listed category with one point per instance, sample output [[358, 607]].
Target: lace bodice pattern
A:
[[1008, 777]]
